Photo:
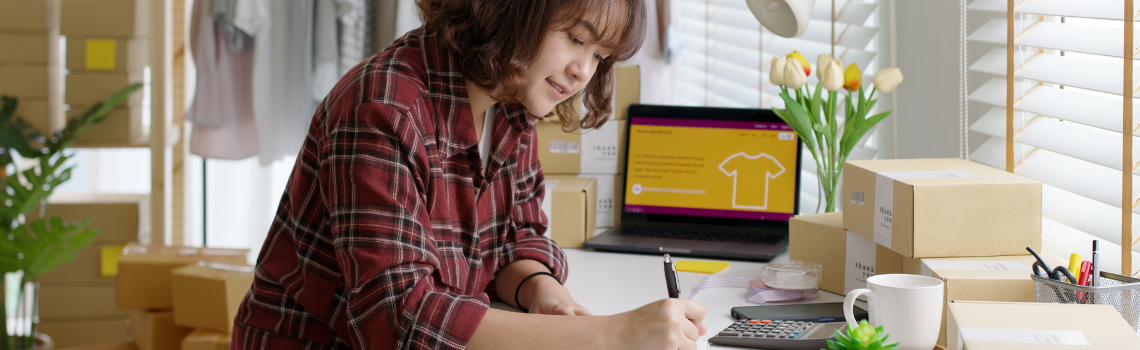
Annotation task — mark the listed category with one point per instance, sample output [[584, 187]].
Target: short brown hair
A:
[[496, 40]]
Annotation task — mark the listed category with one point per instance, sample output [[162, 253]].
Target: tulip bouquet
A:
[[813, 114]]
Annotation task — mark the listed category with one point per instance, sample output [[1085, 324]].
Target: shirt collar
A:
[[448, 93]]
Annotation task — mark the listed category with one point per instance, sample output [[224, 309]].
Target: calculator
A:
[[778, 335]]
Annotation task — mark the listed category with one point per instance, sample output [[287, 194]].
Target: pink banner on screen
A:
[[750, 215], [723, 124]]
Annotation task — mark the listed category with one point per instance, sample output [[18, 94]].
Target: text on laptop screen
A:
[[711, 168]]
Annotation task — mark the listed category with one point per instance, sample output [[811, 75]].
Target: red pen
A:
[[1086, 270]]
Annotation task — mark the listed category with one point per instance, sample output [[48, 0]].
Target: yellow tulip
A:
[[776, 73], [795, 55], [887, 79], [852, 77]]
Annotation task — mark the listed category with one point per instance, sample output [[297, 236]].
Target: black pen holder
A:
[[1122, 292]]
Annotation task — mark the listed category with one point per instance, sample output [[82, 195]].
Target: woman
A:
[[416, 197]]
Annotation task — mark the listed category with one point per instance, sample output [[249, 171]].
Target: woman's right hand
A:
[[666, 324]]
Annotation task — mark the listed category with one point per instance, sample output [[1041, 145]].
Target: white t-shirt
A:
[[485, 138]]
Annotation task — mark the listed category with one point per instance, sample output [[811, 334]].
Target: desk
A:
[[611, 283]]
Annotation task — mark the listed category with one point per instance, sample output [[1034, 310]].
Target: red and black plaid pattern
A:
[[388, 235]]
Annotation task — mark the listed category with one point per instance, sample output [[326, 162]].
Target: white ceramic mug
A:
[[908, 307]]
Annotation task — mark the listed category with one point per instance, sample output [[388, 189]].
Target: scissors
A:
[[1055, 274]]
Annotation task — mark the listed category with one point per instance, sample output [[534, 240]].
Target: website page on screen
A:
[[711, 168]]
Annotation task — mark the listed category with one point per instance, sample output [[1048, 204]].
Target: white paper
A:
[[600, 150], [1024, 336], [975, 265], [546, 205], [885, 198], [860, 262]]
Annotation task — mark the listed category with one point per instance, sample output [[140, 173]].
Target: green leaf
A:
[[45, 247], [798, 112], [850, 140], [816, 102], [96, 114]]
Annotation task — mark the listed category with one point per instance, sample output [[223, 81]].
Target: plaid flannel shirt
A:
[[388, 234]]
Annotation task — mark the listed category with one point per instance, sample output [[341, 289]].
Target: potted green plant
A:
[[864, 337], [32, 244]]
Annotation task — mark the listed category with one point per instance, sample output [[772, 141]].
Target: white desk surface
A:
[[610, 283]]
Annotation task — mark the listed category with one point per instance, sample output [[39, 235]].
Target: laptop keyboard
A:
[[704, 235]]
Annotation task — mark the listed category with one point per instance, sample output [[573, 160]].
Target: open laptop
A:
[[706, 181]]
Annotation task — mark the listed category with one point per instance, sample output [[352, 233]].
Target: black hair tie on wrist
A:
[[519, 288]]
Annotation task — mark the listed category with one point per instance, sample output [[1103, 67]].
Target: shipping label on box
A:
[[110, 18], [976, 325], [207, 295], [570, 206], [24, 48], [992, 278], [155, 330], [85, 331], [145, 272], [92, 53], [847, 259], [597, 151], [928, 208], [62, 301]]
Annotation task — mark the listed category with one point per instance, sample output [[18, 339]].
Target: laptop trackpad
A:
[[682, 244]]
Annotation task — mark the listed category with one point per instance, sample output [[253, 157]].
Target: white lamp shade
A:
[[786, 18]]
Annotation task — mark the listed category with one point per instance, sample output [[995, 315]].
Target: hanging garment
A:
[[325, 56], [352, 16], [282, 77], [222, 112], [236, 40]]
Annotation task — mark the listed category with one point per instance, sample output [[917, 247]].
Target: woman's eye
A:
[[575, 39], [600, 58]]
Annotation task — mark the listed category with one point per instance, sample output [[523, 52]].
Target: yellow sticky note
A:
[[100, 54], [709, 267], [109, 260]]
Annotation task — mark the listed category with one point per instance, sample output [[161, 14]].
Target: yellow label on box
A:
[[109, 260], [100, 54]]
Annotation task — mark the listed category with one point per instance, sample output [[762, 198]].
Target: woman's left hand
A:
[[551, 298]]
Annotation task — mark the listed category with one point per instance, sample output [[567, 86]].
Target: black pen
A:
[[671, 278]]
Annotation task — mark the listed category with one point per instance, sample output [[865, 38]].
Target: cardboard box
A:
[[570, 206], [207, 295], [935, 208], [994, 278], [598, 151], [24, 48], [23, 15], [35, 112], [24, 82], [145, 272], [1023, 326], [155, 330], [86, 88], [119, 217], [61, 301], [89, 266], [92, 53], [85, 331], [847, 259], [122, 127], [206, 340], [105, 346], [627, 88], [112, 18], [610, 191]]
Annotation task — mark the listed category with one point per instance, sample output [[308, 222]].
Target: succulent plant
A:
[[863, 337]]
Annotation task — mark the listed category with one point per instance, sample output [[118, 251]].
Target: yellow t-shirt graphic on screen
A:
[[750, 175]]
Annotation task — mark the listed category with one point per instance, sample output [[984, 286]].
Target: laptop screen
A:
[[711, 169]]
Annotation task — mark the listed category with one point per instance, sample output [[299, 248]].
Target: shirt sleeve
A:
[[524, 239], [375, 177]]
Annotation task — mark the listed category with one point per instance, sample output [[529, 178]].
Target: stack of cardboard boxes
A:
[[171, 292], [26, 73], [77, 300], [592, 154], [965, 223], [106, 51]]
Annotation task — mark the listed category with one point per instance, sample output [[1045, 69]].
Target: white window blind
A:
[[725, 58], [1068, 93]]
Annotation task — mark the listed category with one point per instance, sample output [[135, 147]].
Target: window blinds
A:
[[725, 58], [1068, 107]]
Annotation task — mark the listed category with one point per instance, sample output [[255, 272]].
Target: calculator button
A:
[[729, 333], [765, 321], [755, 321], [749, 334]]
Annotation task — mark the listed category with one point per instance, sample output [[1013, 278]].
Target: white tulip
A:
[[776, 73], [831, 76], [794, 76], [887, 79], [822, 62]]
